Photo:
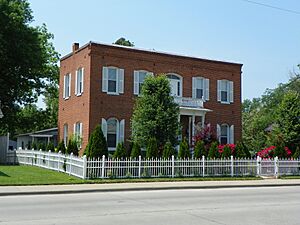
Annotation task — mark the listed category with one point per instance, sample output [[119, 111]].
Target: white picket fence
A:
[[143, 168]]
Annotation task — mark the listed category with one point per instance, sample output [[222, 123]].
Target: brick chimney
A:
[[75, 47]]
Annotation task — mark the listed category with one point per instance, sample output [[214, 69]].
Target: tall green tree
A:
[[155, 113], [124, 42], [288, 118], [28, 60], [97, 146]]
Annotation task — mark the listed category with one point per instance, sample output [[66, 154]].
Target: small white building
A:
[[42, 136]]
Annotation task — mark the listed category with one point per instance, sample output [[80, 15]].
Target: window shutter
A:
[[122, 129], [104, 127], [74, 132], [82, 79], [104, 78], [80, 131], [64, 92], [231, 91], [219, 90], [194, 83], [218, 131], [118, 132], [231, 134], [69, 91], [121, 80], [76, 82], [206, 91], [136, 82]]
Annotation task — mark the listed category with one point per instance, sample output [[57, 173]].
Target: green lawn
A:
[[290, 177], [31, 175]]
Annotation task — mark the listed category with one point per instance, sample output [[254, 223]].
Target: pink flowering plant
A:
[[270, 152], [231, 146]]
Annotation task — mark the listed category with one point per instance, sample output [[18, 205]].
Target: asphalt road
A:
[[241, 206]]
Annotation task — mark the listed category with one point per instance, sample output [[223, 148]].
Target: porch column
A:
[[190, 120], [203, 119], [193, 126], [48, 140]]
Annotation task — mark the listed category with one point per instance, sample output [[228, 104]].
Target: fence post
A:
[[58, 161], [70, 163], [257, 166], [49, 159], [140, 164], [103, 166], [231, 166], [173, 166], [276, 167], [203, 166], [84, 167]]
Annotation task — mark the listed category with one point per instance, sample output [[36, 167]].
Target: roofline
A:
[[36, 132], [147, 51]]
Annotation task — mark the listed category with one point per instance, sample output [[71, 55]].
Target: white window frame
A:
[[120, 131], [205, 87], [230, 133], [67, 86], [229, 90], [66, 137], [78, 132], [119, 80], [180, 81], [137, 82], [79, 79]]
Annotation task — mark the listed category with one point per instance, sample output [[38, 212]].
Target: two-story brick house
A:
[[99, 84]]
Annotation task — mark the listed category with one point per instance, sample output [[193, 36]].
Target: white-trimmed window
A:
[[66, 134], [139, 78], [79, 81], [175, 84], [225, 133], [200, 88], [67, 86], [78, 132], [225, 91], [113, 131], [112, 80]]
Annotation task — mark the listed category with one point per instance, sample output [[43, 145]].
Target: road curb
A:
[[68, 191]]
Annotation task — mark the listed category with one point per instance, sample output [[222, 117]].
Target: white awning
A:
[[193, 111]]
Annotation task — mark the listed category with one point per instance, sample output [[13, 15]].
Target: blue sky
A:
[[265, 40]]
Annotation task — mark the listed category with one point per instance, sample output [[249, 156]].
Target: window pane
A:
[[224, 85], [223, 140], [199, 93], [112, 74], [142, 76], [111, 126], [224, 130], [112, 86], [199, 83], [224, 96], [111, 140], [178, 89]]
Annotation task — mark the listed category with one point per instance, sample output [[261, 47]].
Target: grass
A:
[[31, 175], [290, 177]]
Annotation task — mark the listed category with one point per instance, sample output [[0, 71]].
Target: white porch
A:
[[191, 116]]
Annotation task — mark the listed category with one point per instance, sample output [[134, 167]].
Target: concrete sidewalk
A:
[[82, 188]]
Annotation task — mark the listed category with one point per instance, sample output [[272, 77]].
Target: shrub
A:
[[226, 152], [199, 149], [136, 150], [34, 145], [61, 147], [41, 146], [97, 146], [213, 151], [297, 153], [50, 147], [72, 147], [152, 149], [120, 152], [239, 150], [270, 152], [168, 150], [184, 151]]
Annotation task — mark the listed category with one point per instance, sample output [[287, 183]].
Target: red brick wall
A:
[[100, 105]]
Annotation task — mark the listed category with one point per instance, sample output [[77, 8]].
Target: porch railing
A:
[[189, 102]]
